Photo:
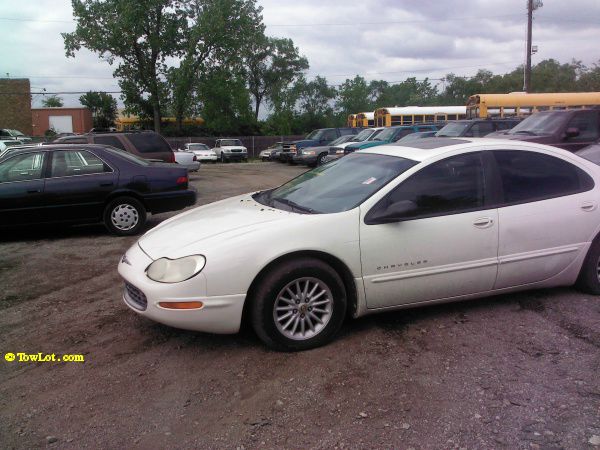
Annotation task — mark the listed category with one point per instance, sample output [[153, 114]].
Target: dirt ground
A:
[[516, 371]]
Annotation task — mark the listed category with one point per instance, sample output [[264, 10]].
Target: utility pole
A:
[[531, 6], [527, 81]]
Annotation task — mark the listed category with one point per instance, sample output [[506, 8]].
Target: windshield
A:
[[230, 142], [385, 135], [363, 135], [338, 186], [16, 133], [415, 136], [198, 147], [454, 129], [539, 124], [315, 135], [339, 140]]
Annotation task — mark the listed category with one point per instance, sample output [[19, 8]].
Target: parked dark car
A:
[[88, 184], [315, 156], [145, 144], [567, 129], [322, 136], [475, 127]]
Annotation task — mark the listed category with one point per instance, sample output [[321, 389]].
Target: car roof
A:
[[430, 148]]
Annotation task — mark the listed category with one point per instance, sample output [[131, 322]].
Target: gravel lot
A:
[[516, 371]]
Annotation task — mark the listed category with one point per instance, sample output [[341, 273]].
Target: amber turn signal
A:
[[181, 305]]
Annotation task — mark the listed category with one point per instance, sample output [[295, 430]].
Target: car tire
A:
[[124, 216], [321, 159], [317, 311], [589, 276]]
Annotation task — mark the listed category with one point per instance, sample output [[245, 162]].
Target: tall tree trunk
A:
[[156, 108]]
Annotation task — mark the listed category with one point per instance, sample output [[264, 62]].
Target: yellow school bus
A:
[[351, 122], [410, 115], [522, 104], [127, 122], [365, 119]]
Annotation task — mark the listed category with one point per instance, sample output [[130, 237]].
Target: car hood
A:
[[366, 144], [304, 143], [233, 147], [211, 226]]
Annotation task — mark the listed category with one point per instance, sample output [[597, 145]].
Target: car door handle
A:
[[107, 184], [483, 222], [588, 206], [33, 191]]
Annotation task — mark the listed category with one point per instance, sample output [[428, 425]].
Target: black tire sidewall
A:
[[321, 159], [141, 210], [588, 277], [264, 302]]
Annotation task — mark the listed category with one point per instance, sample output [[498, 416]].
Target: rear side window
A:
[[149, 143], [529, 176], [109, 140], [77, 162]]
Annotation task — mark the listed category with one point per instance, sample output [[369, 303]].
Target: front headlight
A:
[[308, 152], [165, 270]]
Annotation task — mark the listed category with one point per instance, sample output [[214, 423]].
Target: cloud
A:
[[385, 39]]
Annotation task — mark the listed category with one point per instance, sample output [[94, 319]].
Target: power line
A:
[[294, 25]]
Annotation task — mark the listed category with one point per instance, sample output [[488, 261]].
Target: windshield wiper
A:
[[294, 205]]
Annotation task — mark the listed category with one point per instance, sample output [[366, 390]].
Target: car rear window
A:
[[149, 143], [109, 140], [123, 154]]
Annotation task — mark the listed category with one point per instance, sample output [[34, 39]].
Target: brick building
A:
[[15, 104], [61, 120]]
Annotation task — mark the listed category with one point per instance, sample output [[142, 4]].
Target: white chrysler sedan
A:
[[381, 229]]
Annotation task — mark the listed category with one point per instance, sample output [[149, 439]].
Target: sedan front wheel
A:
[[299, 305]]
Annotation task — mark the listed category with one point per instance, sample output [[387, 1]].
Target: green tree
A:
[[410, 92], [354, 96], [272, 64], [589, 79], [217, 34], [137, 36], [103, 107], [53, 102], [225, 103]]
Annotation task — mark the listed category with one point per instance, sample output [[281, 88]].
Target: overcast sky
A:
[[385, 39]]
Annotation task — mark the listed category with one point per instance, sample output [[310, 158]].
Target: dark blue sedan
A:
[[88, 184]]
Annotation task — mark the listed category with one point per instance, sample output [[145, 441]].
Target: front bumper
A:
[[170, 201], [305, 159], [235, 156], [219, 314], [206, 157]]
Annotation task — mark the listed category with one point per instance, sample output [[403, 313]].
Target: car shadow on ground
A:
[[393, 322], [57, 232]]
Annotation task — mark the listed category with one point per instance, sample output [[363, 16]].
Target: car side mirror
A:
[[392, 213], [572, 132]]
